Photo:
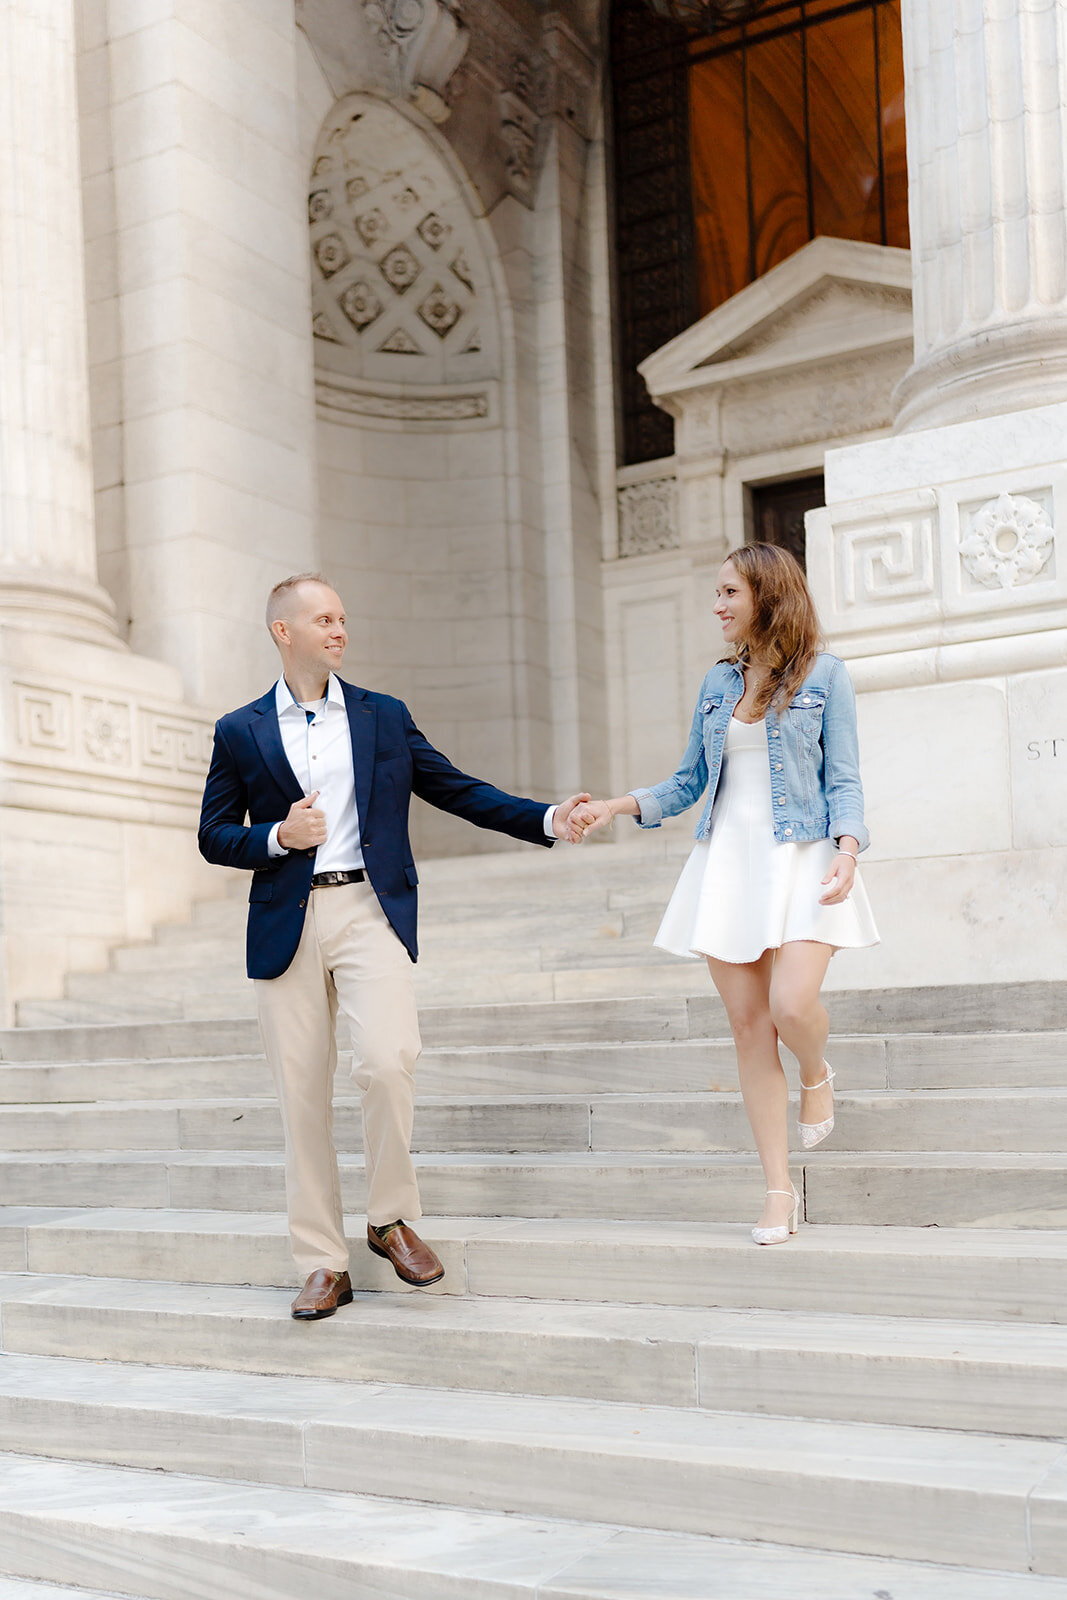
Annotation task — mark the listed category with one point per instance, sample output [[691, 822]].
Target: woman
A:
[[771, 889]]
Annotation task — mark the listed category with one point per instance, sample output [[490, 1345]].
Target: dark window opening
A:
[[732, 151]]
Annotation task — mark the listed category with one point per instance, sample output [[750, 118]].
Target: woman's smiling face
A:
[[734, 603]]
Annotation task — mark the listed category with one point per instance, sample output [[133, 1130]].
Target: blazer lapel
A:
[[268, 737], [363, 725]]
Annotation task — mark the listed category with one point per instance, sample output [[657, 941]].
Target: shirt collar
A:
[[284, 701]]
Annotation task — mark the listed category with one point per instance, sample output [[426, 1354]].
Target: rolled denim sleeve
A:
[[841, 765], [684, 789]]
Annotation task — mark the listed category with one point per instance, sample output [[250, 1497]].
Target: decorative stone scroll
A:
[[648, 517], [424, 42], [886, 564], [1009, 542]]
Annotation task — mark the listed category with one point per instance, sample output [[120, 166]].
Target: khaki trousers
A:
[[348, 958]]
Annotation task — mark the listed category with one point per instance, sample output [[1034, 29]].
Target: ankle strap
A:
[[789, 1192], [829, 1078]]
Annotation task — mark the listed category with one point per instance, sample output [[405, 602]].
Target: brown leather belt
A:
[[323, 880]]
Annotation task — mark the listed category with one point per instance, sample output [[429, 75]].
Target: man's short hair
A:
[[278, 599]]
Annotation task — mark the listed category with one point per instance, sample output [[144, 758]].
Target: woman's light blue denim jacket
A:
[[811, 746]]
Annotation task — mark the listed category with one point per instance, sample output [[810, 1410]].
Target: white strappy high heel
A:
[[780, 1234], [813, 1133]]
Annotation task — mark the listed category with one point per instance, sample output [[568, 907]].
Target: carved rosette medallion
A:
[[106, 731], [1008, 543]]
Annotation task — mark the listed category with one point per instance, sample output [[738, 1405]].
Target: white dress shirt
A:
[[320, 754]]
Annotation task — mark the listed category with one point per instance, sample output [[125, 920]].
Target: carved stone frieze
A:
[[812, 403], [108, 737], [648, 517]]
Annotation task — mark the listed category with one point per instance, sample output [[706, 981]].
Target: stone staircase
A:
[[613, 1395], [558, 924]]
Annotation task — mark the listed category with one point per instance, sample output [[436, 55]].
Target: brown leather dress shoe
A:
[[322, 1294], [412, 1260]]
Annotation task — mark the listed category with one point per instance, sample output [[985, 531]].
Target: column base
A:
[[101, 771], [994, 372], [939, 568], [58, 608]]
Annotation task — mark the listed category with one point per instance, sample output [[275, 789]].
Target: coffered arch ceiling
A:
[[401, 287]]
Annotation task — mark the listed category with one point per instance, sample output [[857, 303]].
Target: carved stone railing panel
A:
[[648, 517]]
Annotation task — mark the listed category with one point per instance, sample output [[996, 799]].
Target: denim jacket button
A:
[[788, 831], [774, 735], [777, 766], [781, 801]]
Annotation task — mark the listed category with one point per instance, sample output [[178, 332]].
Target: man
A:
[[324, 773]]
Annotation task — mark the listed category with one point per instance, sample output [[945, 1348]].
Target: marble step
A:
[[986, 1377], [994, 1120], [922, 1494], [1031, 1008], [981, 1274], [30, 1589], [901, 1061], [911, 1189], [1014, 1120], [181, 1535]]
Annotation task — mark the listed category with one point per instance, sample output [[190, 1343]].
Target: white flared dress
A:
[[741, 892]]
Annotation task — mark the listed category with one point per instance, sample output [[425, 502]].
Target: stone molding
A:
[[447, 407]]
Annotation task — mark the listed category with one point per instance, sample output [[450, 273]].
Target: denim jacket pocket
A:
[[805, 713]]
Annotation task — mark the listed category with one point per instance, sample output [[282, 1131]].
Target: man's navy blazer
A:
[[251, 777]]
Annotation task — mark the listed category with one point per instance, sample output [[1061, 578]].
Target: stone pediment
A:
[[832, 298]]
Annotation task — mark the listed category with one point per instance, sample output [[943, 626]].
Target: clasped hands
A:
[[581, 815]]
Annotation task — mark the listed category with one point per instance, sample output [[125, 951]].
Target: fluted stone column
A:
[[987, 167], [47, 547]]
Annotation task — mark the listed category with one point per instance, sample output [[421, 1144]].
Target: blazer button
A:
[[303, 903]]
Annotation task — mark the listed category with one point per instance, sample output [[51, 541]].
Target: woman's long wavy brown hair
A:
[[785, 630]]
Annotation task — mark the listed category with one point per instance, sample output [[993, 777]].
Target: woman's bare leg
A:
[[801, 1020], [745, 991]]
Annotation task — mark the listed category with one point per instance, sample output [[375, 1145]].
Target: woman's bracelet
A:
[[848, 853]]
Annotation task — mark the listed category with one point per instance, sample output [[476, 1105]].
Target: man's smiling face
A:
[[311, 632]]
